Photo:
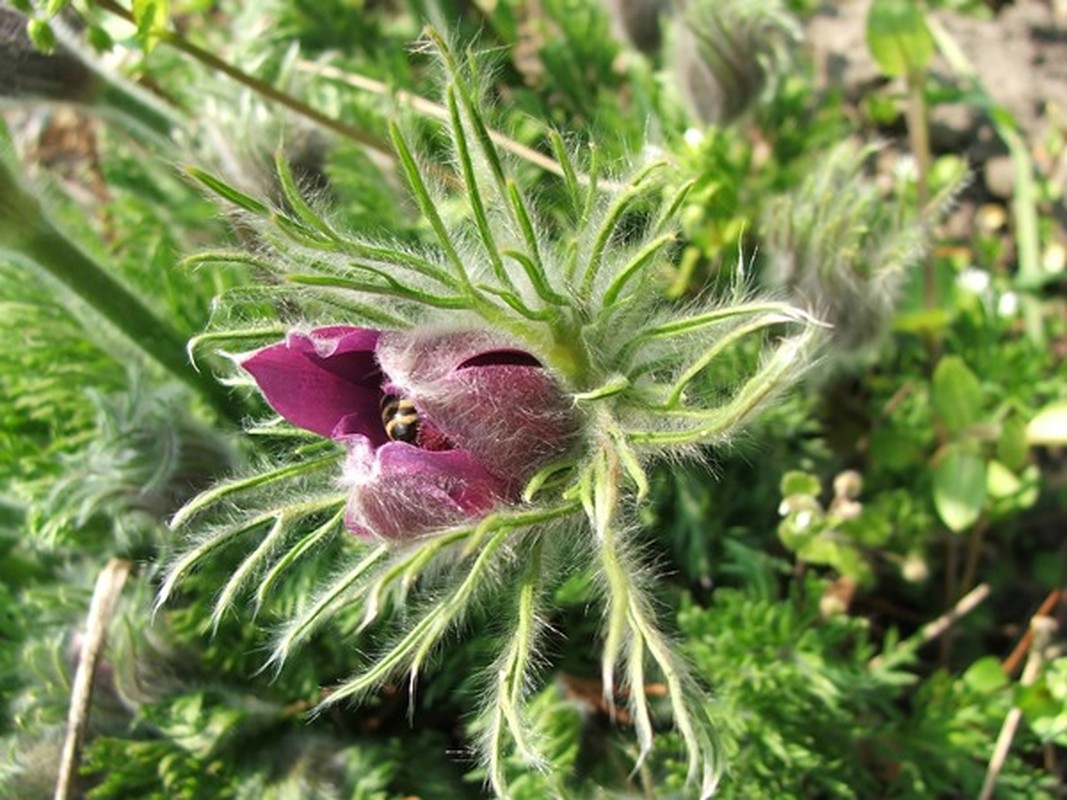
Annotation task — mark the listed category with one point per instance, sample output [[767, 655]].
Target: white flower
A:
[[1008, 305], [694, 137], [973, 280]]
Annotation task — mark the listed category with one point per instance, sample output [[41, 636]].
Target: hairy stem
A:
[[50, 250]]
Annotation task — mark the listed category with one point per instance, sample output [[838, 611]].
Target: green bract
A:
[[588, 304]]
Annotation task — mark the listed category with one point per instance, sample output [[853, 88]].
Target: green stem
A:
[[1024, 198], [710, 424], [619, 208], [136, 111], [224, 491], [919, 136], [569, 354], [47, 248], [427, 632], [1027, 241], [618, 603], [261, 87], [974, 556], [506, 714], [437, 111]]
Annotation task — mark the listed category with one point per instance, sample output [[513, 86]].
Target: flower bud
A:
[[440, 427], [727, 52], [638, 21], [841, 245]]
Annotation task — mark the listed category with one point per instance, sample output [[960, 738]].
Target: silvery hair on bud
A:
[[842, 245], [639, 22], [727, 52]]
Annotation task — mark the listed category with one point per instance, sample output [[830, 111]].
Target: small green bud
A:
[[41, 34]]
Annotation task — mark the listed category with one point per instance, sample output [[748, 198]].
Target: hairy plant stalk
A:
[[27, 233], [439, 112], [506, 706]]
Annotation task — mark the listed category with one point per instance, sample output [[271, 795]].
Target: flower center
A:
[[402, 423], [400, 419]]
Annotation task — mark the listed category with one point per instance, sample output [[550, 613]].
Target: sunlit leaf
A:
[[41, 34], [898, 37], [959, 486], [1049, 426]]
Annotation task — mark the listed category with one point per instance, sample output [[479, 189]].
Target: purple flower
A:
[[440, 426]]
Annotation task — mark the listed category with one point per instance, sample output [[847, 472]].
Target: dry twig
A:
[[932, 630], [1042, 628], [105, 594]]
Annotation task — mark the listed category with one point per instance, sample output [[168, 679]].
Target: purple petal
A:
[[424, 357], [401, 491], [326, 381], [487, 396], [514, 419]]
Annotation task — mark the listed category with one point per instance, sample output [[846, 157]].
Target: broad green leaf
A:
[[1012, 492], [947, 172], [959, 486], [893, 451], [870, 530], [898, 38], [797, 530], [985, 675], [957, 395], [832, 549], [1049, 427]]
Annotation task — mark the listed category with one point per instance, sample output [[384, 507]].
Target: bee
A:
[[400, 419]]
